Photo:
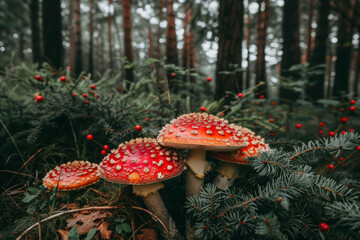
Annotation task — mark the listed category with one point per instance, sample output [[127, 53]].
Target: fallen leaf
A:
[[85, 222], [69, 206], [104, 232], [63, 234], [147, 234]]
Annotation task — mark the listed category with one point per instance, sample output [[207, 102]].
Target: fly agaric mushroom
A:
[[229, 168], [72, 175], [200, 132], [145, 164]]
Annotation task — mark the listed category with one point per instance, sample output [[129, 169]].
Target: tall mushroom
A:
[[72, 175], [200, 132], [142, 162], [230, 167]]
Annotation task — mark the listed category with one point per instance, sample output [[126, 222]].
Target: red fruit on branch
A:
[[93, 87], [103, 152], [323, 227], [39, 99], [63, 78], [352, 102], [138, 128], [106, 147], [173, 74], [331, 134], [298, 126], [240, 95], [344, 120], [89, 137], [352, 108], [208, 79]]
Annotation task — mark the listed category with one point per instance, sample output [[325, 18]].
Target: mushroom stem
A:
[[227, 174], [155, 204], [198, 167]]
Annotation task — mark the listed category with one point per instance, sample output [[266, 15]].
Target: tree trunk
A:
[[91, 44], [71, 35], [158, 50], [109, 35], [246, 83], [78, 50], [35, 31], [357, 74], [307, 55], [171, 42], [21, 46], [318, 56], [151, 43], [343, 50], [117, 29], [188, 54], [261, 28], [127, 37], [52, 37], [291, 44], [229, 52]]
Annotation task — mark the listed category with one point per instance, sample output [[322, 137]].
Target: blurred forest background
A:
[[299, 48]]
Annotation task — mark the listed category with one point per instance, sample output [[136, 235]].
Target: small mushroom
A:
[[200, 132], [72, 175], [230, 167], [142, 162]]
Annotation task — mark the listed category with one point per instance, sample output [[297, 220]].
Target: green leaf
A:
[[73, 234], [90, 234], [33, 190], [28, 197], [125, 227]]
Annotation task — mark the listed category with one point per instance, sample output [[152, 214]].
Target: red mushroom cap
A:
[[256, 145], [73, 175], [141, 161], [202, 131]]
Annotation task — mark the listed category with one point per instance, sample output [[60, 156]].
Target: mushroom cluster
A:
[[200, 132], [72, 175], [229, 169]]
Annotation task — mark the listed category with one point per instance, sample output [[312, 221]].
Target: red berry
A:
[[262, 96], [138, 128], [106, 147], [63, 78], [204, 227], [358, 148], [240, 95], [321, 124], [39, 99], [331, 167], [38, 77], [331, 134], [344, 120], [103, 152], [208, 79], [89, 137], [352, 102], [271, 120], [93, 87], [84, 95], [341, 109], [352, 130], [323, 227], [352, 108], [147, 119], [222, 114], [83, 77], [341, 159], [74, 95], [272, 134], [69, 67], [173, 75], [321, 131], [86, 101], [343, 132], [203, 109], [298, 126], [273, 103]]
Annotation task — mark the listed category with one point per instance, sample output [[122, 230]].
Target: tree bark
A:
[[189, 53], [261, 29], [343, 50], [318, 56], [71, 35], [171, 42], [151, 43], [229, 52], [109, 36], [78, 45], [246, 83], [35, 31], [52, 37], [21, 47], [291, 44], [127, 37], [91, 43]]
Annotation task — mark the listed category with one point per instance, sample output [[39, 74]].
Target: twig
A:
[[75, 139]]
